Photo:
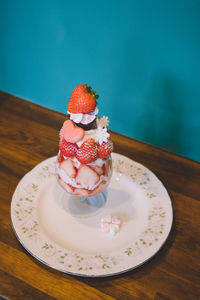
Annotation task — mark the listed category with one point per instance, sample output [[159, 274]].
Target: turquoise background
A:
[[143, 58]]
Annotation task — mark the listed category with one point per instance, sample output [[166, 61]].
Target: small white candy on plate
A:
[[114, 228], [107, 219], [110, 224], [115, 220], [105, 227]]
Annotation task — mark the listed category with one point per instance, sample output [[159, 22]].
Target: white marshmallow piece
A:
[[107, 219], [105, 227], [114, 228], [110, 224], [116, 220]]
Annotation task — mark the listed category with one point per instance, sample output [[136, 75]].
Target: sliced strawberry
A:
[[98, 169], [82, 192], [58, 177], [68, 167], [88, 152], [82, 100], [105, 149], [60, 157], [68, 149], [87, 176], [99, 188], [67, 187], [108, 167]]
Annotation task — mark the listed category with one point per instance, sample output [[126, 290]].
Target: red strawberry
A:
[[82, 100], [87, 176], [60, 157], [69, 188], [88, 152], [68, 149], [105, 149], [68, 167], [98, 169]]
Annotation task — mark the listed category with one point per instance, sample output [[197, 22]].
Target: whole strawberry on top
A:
[[82, 100], [84, 164]]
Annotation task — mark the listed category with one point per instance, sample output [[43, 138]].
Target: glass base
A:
[[84, 207]]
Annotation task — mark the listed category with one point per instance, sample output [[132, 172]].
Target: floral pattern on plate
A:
[[29, 230]]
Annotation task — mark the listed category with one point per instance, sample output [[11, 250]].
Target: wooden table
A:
[[28, 135]]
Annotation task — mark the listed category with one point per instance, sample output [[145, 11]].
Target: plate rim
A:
[[85, 274]]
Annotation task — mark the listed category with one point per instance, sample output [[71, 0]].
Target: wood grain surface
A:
[[28, 135]]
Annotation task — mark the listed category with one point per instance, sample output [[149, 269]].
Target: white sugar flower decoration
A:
[[103, 122], [101, 135]]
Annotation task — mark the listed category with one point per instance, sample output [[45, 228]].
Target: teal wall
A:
[[143, 57]]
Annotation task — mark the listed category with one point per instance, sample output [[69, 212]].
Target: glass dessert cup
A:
[[85, 184]]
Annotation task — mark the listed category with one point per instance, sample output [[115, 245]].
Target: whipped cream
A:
[[84, 118], [98, 162]]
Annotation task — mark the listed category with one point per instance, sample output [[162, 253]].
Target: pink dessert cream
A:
[[84, 165]]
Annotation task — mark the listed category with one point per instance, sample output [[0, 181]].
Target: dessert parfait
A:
[[84, 165]]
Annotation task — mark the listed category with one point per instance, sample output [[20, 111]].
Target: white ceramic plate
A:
[[77, 245]]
